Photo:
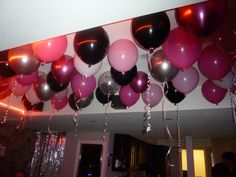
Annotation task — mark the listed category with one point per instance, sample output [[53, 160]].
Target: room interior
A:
[[202, 125]]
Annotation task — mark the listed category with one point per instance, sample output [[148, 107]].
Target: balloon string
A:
[[75, 120], [178, 129], [4, 118], [166, 128], [147, 115], [49, 120], [233, 106], [21, 124], [105, 123]]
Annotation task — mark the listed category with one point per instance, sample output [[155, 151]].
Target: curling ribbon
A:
[[21, 124], [147, 115], [49, 120], [166, 128], [105, 123], [233, 106]]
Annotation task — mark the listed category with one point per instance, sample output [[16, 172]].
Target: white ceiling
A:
[[37, 20]]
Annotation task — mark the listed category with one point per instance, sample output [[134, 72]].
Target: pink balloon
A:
[[127, 96], [18, 89], [181, 48], [51, 49], [154, 96], [61, 94], [83, 86], [214, 63], [59, 103], [85, 69], [186, 81], [63, 69], [27, 79], [123, 55], [32, 96], [213, 93]]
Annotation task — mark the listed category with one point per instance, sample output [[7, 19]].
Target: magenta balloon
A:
[[83, 86], [127, 96], [59, 103], [181, 48], [27, 79], [186, 80], [63, 69], [18, 89], [213, 93], [154, 96], [123, 55], [50, 50], [140, 83], [61, 94], [214, 63]]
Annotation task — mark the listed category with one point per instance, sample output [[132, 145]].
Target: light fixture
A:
[[12, 108]]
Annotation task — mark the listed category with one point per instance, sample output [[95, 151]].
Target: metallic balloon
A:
[[160, 68], [77, 103], [54, 84], [107, 85], [22, 60], [104, 99], [140, 83], [42, 88]]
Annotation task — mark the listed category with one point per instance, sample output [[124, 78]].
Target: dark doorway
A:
[[89, 165]]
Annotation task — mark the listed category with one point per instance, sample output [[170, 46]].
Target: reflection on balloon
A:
[[153, 96], [50, 50], [203, 18], [181, 48], [91, 45], [103, 98], [23, 60], [213, 93], [173, 95], [124, 78], [77, 103], [214, 63], [160, 68], [186, 81], [122, 55], [85, 69], [83, 86], [63, 69], [127, 96], [107, 85], [150, 31], [140, 83]]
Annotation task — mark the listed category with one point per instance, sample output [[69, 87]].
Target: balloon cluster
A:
[[171, 66]]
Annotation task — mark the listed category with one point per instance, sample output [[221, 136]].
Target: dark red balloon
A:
[[150, 31], [5, 69], [63, 69], [91, 45], [203, 18], [140, 83]]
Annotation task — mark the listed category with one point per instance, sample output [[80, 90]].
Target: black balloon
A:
[[150, 31], [124, 78], [76, 103], [54, 84], [29, 107], [103, 98], [172, 94], [5, 69], [91, 45]]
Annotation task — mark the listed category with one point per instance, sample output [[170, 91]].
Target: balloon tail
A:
[[166, 128], [49, 120], [147, 115]]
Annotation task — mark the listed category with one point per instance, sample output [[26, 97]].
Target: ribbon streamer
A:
[[233, 106], [166, 128], [105, 122], [75, 120], [147, 115], [178, 129], [21, 124], [4, 118], [49, 120]]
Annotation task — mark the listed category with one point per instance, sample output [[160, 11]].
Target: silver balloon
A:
[[160, 68], [107, 85], [42, 88]]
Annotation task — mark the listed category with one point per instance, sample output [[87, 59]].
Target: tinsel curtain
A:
[[48, 155]]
